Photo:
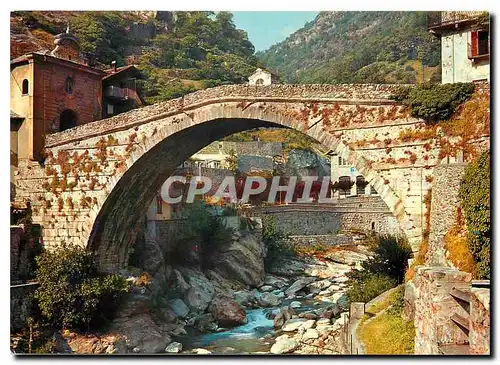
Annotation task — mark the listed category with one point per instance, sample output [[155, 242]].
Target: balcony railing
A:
[[116, 92], [448, 18]]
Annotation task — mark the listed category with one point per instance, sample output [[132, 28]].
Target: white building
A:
[[465, 45], [263, 77], [342, 171]]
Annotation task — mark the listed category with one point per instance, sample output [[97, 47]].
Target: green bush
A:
[[390, 256], [275, 242], [474, 194], [72, 293], [434, 102], [202, 238], [363, 286], [384, 270]]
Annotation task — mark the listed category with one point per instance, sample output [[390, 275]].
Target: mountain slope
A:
[[179, 52], [359, 47]]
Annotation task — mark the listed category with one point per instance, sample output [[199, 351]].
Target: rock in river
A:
[[174, 347], [227, 312], [284, 346]]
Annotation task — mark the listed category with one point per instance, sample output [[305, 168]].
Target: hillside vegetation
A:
[[358, 47], [179, 52]]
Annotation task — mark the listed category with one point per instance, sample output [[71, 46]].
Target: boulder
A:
[[346, 257], [323, 322], [319, 285], [179, 307], [308, 324], [284, 346], [243, 260], [201, 291], [205, 323], [178, 284], [299, 284], [308, 315], [292, 324], [266, 288], [243, 297], [274, 281], [133, 321], [340, 299], [269, 300], [310, 333], [284, 315], [174, 347], [227, 313], [295, 304], [201, 351], [340, 279]]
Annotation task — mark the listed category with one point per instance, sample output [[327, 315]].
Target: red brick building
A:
[[51, 92]]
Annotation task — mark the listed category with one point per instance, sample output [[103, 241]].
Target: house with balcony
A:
[[345, 173], [465, 44], [119, 90]]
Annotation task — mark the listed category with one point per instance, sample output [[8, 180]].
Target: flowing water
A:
[[256, 336]]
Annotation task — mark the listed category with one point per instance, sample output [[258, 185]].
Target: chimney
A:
[[113, 65]]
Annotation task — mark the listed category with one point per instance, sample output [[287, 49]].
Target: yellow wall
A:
[[23, 106]]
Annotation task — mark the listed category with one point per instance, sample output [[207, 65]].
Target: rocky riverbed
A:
[[235, 307]]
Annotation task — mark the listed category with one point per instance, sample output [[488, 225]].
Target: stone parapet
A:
[[434, 307]]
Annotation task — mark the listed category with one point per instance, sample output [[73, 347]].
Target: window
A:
[[360, 185], [67, 120], [26, 87], [259, 82], [479, 45], [482, 43], [159, 205], [69, 85], [342, 161], [110, 109]]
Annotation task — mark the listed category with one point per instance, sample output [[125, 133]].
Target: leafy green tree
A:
[[72, 293], [474, 194]]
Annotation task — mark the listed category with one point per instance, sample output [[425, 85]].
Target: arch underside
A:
[[118, 222]]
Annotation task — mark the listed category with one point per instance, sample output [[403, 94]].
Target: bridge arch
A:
[[169, 133]]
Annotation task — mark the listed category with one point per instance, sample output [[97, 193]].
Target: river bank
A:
[[298, 306]]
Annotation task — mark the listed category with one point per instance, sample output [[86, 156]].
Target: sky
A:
[[266, 28]]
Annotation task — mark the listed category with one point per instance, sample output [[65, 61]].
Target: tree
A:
[[474, 194], [72, 293]]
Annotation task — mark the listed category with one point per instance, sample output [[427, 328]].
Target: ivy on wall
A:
[[474, 197], [434, 102]]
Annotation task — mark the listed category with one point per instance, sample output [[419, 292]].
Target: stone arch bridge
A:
[[99, 178]]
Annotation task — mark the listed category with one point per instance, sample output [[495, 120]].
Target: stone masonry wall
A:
[[323, 240], [479, 336], [444, 206], [434, 307], [110, 168]]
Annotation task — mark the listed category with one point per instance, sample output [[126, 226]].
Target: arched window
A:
[[360, 185], [259, 82], [26, 87], [67, 120], [69, 85], [373, 226]]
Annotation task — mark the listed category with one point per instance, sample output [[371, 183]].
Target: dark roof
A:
[[26, 57], [121, 70], [13, 115]]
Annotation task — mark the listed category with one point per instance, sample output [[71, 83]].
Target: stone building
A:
[[341, 170], [465, 45], [263, 78], [120, 90], [52, 92]]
